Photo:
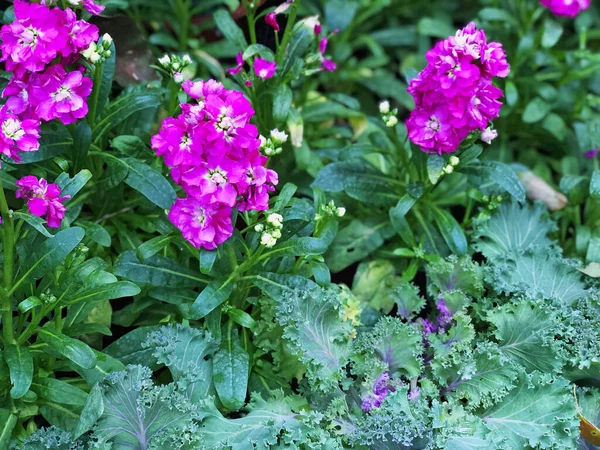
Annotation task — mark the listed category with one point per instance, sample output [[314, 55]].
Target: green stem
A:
[[8, 245], [287, 34], [93, 112]]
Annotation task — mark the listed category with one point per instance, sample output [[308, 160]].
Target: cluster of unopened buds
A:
[[273, 144], [453, 161], [271, 231], [330, 210], [174, 64], [100, 51], [389, 116]]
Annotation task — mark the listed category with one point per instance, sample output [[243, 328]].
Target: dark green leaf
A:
[[213, 295], [150, 183], [229, 28], [72, 349], [451, 231], [20, 364]]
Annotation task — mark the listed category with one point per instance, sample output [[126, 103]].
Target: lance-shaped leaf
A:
[[20, 365]]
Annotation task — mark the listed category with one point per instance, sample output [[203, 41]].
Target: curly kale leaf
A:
[[535, 275], [399, 346], [492, 379], [136, 412], [310, 316], [455, 274], [409, 302], [526, 335], [270, 424], [51, 438], [514, 230], [538, 413], [580, 328], [185, 351]]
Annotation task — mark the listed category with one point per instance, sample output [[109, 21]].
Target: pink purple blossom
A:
[[34, 39], [62, 95], [17, 135], [239, 59], [592, 153], [454, 94], [212, 150], [567, 8], [92, 7], [43, 199], [271, 20], [263, 68]]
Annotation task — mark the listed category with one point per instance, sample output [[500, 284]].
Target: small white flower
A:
[[259, 227], [107, 39], [276, 234], [178, 77], [186, 59], [275, 220], [448, 169], [279, 137], [454, 161], [488, 135], [340, 212], [384, 107], [164, 60], [267, 240], [88, 52]]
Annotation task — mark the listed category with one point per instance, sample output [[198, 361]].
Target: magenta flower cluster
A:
[[38, 91], [454, 94], [566, 8], [213, 152], [43, 199]]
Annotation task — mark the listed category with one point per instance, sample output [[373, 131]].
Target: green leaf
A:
[[552, 33], [108, 73], [36, 222], [82, 140], [207, 260], [130, 145], [212, 296], [154, 245], [306, 246], [8, 421], [57, 391], [373, 284], [20, 364], [284, 197], [55, 141], [157, 271], [451, 231], [435, 168], [109, 291], [595, 184], [231, 369], [229, 28], [92, 410], [49, 255], [72, 349], [149, 182], [96, 232], [356, 241], [536, 110], [538, 413], [282, 101], [124, 106], [399, 222], [511, 93], [71, 186], [340, 13], [428, 26], [260, 50], [129, 349]]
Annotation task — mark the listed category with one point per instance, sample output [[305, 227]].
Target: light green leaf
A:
[[20, 365], [72, 349]]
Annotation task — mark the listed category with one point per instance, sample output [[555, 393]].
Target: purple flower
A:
[[318, 29], [17, 135], [567, 8], [454, 94], [271, 20], [329, 65], [81, 33], [93, 8], [34, 39], [18, 95], [592, 153], [488, 135], [62, 95], [323, 45], [381, 388], [263, 68], [43, 199], [239, 59], [204, 225]]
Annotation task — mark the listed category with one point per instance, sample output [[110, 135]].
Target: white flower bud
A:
[[267, 240], [95, 58], [276, 234], [391, 122], [88, 52], [278, 137], [340, 212], [384, 107], [448, 169], [178, 77], [488, 135], [454, 161], [186, 59], [275, 220], [164, 60], [263, 141], [107, 39], [259, 227]]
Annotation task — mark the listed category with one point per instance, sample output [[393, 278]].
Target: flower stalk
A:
[[8, 246]]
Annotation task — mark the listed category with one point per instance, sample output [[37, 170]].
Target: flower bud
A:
[[391, 122], [276, 234], [340, 212], [275, 220], [384, 107], [259, 228], [267, 240], [186, 59], [448, 169], [488, 135], [107, 40], [178, 77], [164, 60], [278, 137], [454, 161]]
